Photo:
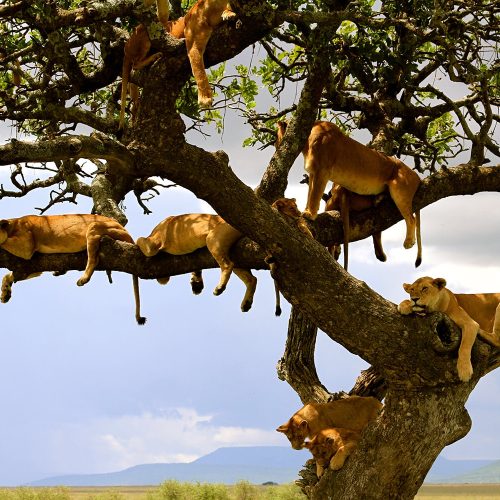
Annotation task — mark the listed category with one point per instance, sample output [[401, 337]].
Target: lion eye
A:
[[424, 289]]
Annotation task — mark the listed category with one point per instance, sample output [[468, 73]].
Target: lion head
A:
[[425, 293], [287, 206], [296, 430], [322, 447]]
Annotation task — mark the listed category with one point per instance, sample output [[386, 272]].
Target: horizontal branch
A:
[[63, 148]]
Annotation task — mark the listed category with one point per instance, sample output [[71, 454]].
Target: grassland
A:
[[173, 490]]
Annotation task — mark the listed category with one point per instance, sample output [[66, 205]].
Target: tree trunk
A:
[[398, 449]]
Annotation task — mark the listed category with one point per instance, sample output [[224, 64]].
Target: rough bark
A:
[[413, 359]]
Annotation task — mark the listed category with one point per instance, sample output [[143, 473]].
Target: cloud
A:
[[114, 443]]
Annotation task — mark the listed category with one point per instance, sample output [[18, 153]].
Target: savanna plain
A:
[[174, 490]]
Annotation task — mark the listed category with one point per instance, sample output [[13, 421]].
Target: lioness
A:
[[135, 57], [72, 233], [331, 155], [287, 207], [352, 413], [345, 201], [197, 27], [183, 234], [473, 312], [331, 447]]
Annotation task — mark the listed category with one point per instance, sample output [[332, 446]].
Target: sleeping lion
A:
[[474, 313]]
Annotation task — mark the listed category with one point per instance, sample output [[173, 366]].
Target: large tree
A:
[[423, 79]]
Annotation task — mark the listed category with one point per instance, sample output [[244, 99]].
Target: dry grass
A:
[[243, 491], [459, 491]]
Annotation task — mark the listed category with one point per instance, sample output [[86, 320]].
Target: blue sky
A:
[[84, 389]]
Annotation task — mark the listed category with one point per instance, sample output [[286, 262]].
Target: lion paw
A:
[[308, 215], [406, 307], [246, 306], [205, 102], [219, 289], [82, 281], [464, 369], [409, 242], [228, 14]]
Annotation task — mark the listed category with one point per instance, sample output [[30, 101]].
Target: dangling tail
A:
[[418, 261], [140, 319]]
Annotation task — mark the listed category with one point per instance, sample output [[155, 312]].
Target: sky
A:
[[86, 390]]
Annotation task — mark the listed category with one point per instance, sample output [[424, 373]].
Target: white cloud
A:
[[114, 443]]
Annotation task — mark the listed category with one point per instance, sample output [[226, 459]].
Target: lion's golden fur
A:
[[331, 447], [474, 313], [330, 155], [183, 234], [345, 202], [353, 412], [50, 234]]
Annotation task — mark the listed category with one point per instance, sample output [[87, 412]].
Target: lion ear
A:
[[278, 204], [283, 428], [406, 287], [304, 424], [439, 283]]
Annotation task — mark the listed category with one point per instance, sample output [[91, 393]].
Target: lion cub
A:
[[474, 313], [183, 234], [331, 447], [330, 155], [72, 233], [353, 413]]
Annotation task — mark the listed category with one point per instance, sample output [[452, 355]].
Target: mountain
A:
[[256, 464], [488, 474], [446, 471]]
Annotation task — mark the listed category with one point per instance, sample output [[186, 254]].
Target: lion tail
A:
[[140, 319], [418, 261]]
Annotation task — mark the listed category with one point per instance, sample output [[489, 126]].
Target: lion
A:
[[183, 234], [330, 155], [287, 207], [474, 313], [331, 447], [353, 413], [50, 234], [345, 201], [135, 57], [197, 27]]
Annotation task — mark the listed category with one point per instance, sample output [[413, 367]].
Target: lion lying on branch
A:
[[474, 313], [51, 234]]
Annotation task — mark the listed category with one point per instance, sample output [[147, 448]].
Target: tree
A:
[[364, 66]]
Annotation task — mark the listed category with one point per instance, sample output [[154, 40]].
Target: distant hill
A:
[[258, 464], [445, 471], [488, 474]]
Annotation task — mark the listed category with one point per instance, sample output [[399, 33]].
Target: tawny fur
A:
[[183, 234], [474, 313], [197, 27], [288, 208], [162, 10], [50, 234], [135, 57], [329, 155], [353, 412], [345, 202], [331, 447]]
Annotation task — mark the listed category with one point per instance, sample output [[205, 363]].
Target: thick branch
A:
[[62, 148]]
